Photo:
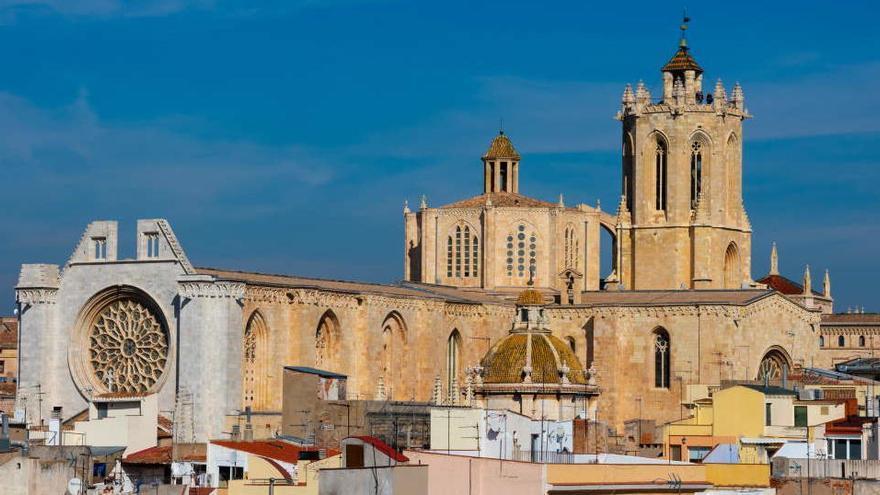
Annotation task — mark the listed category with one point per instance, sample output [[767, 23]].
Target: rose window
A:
[[128, 347]]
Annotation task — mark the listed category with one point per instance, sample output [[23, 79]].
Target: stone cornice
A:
[[36, 295], [206, 289]]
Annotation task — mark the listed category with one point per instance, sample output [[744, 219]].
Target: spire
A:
[[642, 94], [738, 98], [774, 260], [682, 60], [808, 283], [720, 94], [628, 97], [826, 285], [437, 392]]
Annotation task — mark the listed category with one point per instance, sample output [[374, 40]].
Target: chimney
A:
[[248, 427], [236, 432]]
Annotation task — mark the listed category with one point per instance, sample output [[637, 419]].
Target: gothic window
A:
[[458, 251], [732, 276], [462, 253], [475, 256], [773, 365], [696, 171], [660, 159], [627, 185], [662, 351], [571, 248], [572, 344], [449, 256], [453, 359], [393, 358], [129, 347], [100, 246], [467, 252], [327, 342], [152, 239], [255, 361]]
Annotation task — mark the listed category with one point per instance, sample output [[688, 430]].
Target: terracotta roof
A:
[[162, 455], [505, 361], [503, 200], [8, 332], [851, 425], [270, 449], [383, 447], [402, 289], [851, 318], [152, 455], [682, 61], [501, 147], [672, 297]]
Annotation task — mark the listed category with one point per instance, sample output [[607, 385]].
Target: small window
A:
[[675, 452], [861, 341], [100, 246], [841, 341], [697, 454], [2, 366], [102, 409], [821, 341], [152, 244], [800, 416], [768, 416], [855, 449]]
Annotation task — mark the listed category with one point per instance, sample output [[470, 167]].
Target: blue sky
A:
[[285, 137]]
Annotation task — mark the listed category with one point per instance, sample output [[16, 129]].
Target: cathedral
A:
[[502, 301]]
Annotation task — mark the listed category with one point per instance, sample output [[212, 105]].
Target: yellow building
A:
[[755, 420]]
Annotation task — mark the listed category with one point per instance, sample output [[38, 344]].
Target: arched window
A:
[[453, 359], [462, 253], [697, 153], [733, 174], [393, 358], [662, 352], [660, 160], [732, 277], [327, 338], [522, 249], [821, 341], [449, 256], [841, 341], [572, 344], [572, 247], [773, 365], [255, 354], [627, 186], [861, 341]]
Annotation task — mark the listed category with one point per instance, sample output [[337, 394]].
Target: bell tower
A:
[[681, 223], [501, 166]]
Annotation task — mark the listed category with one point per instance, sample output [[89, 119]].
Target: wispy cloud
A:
[[61, 153], [11, 9]]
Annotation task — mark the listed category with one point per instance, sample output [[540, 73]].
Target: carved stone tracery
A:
[[128, 348]]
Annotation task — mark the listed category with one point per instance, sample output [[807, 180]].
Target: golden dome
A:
[[501, 147], [530, 297], [504, 363]]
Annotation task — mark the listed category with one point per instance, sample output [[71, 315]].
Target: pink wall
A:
[[458, 474]]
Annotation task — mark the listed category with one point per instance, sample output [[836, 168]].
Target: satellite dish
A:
[[74, 486]]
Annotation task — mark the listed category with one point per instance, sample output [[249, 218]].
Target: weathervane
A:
[[684, 25]]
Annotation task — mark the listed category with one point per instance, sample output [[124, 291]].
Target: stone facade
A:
[[681, 307]]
